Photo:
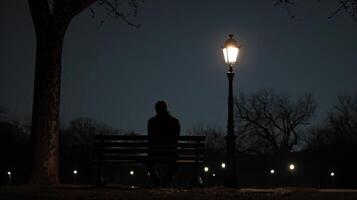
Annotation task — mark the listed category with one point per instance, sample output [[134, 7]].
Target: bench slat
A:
[[145, 158], [144, 161], [145, 137], [146, 144], [146, 150]]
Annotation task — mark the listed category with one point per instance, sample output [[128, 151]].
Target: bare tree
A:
[[343, 118], [51, 19], [270, 122], [81, 131], [338, 132]]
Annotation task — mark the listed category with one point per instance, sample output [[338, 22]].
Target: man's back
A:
[[162, 130], [163, 125]]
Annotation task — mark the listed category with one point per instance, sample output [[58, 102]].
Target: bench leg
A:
[[196, 179], [99, 180]]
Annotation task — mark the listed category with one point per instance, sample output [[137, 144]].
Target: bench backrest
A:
[[133, 149]]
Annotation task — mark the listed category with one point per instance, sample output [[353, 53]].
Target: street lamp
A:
[[230, 54], [223, 165]]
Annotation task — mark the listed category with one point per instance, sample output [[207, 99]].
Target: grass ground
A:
[[90, 193]]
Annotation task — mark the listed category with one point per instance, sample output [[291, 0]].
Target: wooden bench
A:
[[135, 149]]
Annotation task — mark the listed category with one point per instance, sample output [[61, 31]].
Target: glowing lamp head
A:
[[223, 165], [9, 173], [75, 172], [131, 172], [272, 171], [230, 51], [332, 174]]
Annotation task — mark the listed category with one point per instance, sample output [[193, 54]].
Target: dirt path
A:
[[89, 193]]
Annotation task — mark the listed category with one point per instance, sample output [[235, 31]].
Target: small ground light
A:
[[223, 165], [131, 172], [291, 167], [9, 173], [213, 174], [272, 171], [206, 169], [332, 174], [75, 172]]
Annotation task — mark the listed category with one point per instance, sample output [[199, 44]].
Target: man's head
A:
[[161, 107]]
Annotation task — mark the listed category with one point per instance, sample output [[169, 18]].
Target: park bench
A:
[[135, 149]]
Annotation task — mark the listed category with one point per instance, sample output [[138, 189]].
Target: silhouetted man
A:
[[161, 130]]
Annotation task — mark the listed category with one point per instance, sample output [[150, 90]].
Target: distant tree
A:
[[271, 123], [344, 116], [215, 136], [339, 130], [81, 131], [215, 142], [51, 19], [14, 144], [2, 113], [76, 146]]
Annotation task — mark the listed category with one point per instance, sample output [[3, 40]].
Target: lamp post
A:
[[230, 53]]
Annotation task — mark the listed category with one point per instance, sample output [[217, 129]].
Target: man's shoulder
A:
[[174, 119], [166, 118], [152, 119]]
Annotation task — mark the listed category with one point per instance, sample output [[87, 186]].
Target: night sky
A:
[[115, 73]]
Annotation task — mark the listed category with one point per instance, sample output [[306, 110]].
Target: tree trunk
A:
[[46, 104]]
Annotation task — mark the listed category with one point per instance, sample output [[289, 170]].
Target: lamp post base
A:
[[230, 174]]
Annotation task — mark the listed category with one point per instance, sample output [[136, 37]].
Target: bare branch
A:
[[274, 118], [116, 9]]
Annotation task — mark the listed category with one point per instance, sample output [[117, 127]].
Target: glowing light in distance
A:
[[223, 165], [206, 169], [291, 167]]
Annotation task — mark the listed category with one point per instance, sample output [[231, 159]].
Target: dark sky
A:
[[115, 73]]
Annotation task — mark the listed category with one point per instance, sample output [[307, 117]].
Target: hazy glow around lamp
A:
[[230, 51]]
